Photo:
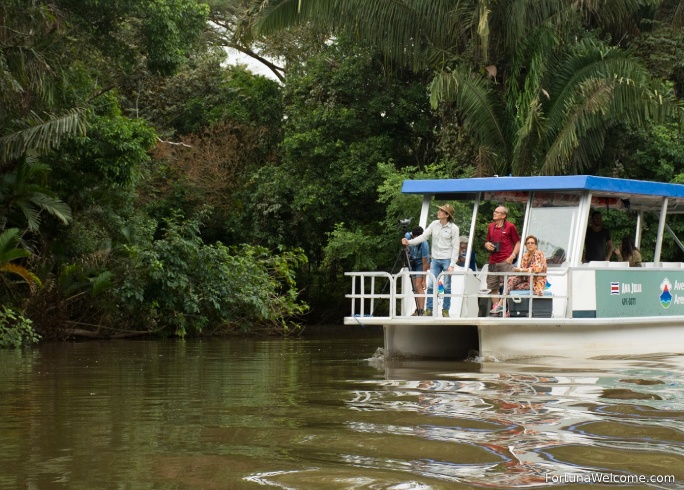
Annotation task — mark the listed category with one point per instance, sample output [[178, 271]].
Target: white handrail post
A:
[[363, 294], [353, 293]]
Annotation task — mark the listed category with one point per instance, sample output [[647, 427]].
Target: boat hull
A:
[[426, 341], [516, 338], [570, 338]]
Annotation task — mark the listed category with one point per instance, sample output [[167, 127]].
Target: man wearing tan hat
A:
[[445, 234]]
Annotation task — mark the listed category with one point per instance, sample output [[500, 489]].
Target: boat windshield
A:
[[554, 223]]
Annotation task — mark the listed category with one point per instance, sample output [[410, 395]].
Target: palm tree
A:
[[556, 121], [31, 122], [30, 75], [536, 96], [430, 33]]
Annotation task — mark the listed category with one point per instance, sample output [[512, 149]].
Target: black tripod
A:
[[404, 256]]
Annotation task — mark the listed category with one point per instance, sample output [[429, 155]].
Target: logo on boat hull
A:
[[665, 296]]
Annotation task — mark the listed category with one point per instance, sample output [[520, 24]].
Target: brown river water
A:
[[323, 413]]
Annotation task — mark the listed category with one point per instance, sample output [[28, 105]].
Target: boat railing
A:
[[380, 294], [365, 295], [514, 294]]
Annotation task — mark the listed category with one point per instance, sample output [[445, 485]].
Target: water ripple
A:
[[536, 428]]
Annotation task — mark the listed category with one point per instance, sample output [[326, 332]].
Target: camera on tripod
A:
[[405, 223]]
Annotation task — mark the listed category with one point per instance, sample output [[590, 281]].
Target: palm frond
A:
[[9, 252], [584, 63], [101, 282], [617, 17], [477, 104], [593, 99], [483, 29], [406, 31], [7, 240], [13, 254], [526, 140], [22, 272], [678, 16], [42, 135], [31, 213], [52, 205], [593, 88]]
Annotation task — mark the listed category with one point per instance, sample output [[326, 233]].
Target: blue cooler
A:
[[519, 304]]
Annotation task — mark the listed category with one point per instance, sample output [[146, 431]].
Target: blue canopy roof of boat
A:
[[598, 186]]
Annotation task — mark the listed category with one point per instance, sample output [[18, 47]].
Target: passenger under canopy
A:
[[558, 208]]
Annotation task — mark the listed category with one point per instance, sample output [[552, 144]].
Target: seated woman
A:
[[628, 252], [532, 261]]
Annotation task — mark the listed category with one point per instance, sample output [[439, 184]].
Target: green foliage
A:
[[401, 206], [662, 49], [206, 93], [15, 330], [661, 156], [67, 67], [181, 283], [647, 152], [34, 55], [528, 80], [112, 153], [158, 33], [355, 249], [230, 123], [342, 117], [77, 278]]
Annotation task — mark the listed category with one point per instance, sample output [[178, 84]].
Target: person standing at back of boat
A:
[[463, 249], [597, 239], [419, 256], [445, 234], [503, 244]]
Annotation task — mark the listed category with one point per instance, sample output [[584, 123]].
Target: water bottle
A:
[[440, 288]]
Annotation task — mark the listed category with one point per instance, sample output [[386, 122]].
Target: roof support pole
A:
[[661, 230], [674, 236], [425, 210], [526, 224], [580, 232], [471, 235], [637, 233]]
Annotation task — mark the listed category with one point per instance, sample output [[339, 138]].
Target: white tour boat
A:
[[588, 310]]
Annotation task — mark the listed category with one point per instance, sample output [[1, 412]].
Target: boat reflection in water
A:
[[514, 424]]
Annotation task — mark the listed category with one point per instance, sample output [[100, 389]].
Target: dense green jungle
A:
[[149, 187]]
